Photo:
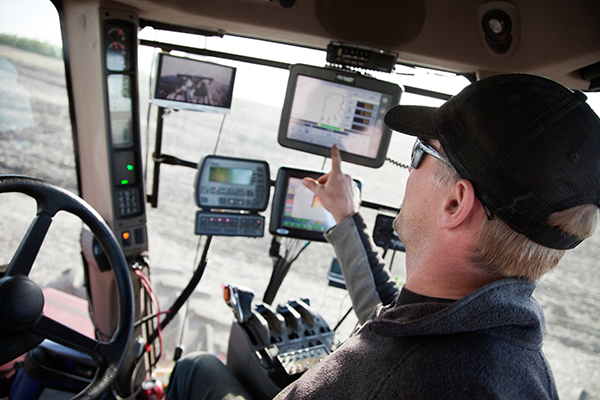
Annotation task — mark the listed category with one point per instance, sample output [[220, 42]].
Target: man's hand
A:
[[337, 192]]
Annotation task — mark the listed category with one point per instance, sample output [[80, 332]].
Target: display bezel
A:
[[346, 80], [198, 66], [276, 226], [242, 163]]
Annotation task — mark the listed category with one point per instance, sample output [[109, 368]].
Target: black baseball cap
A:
[[529, 146]]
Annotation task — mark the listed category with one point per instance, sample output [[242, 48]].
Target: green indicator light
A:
[[129, 167], [124, 182]]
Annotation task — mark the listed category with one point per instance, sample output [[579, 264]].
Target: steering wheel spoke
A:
[[59, 333], [13, 346], [24, 257]]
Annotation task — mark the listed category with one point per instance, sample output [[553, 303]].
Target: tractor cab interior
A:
[[174, 139]]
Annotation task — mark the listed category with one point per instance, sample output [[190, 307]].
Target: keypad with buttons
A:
[[128, 202], [229, 224]]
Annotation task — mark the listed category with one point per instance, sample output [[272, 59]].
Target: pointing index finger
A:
[[336, 159]]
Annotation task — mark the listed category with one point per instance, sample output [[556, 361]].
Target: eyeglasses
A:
[[419, 149]]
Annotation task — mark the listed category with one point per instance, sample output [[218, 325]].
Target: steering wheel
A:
[[22, 323]]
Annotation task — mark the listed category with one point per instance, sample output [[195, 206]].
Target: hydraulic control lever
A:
[[304, 310], [269, 347], [293, 318], [275, 320], [260, 328], [239, 299]]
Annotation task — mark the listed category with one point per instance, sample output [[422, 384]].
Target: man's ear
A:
[[459, 206]]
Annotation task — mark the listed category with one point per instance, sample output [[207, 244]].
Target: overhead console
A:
[[327, 106]]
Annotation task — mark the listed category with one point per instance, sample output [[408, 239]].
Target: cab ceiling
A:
[[551, 38]]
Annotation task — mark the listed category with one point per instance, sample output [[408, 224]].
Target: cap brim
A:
[[412, 120]]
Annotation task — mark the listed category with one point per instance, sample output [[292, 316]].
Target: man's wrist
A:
[[339, 217], [345, 221]]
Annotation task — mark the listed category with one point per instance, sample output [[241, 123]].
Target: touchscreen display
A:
[[330, 106], [303, 210], [326, 113]]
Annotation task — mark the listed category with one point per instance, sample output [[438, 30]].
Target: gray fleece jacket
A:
[[487, 345]]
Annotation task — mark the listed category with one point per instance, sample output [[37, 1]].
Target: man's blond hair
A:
[[500, 249]]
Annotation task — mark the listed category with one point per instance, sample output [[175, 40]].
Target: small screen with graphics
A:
[[230, 175], [303, 210], [296, 211]]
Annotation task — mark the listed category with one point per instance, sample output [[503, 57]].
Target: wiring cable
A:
[[155, 314], [187, 291], [281, 266], [219, 134], [324, 161], [397, 163], [134, 393], [154, 299], [177, 354], [392, 260], [342, 319]]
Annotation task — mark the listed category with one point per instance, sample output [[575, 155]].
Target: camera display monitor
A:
[[296, 211], [324, 106], [188, 84]]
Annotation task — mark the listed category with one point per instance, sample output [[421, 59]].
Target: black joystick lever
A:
[[240, 300]]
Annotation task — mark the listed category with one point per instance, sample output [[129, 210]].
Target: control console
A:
[[229, 224], [271, 347], [232, 184], [230, 192]]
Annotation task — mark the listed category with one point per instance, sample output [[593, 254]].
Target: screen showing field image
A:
[[185, 83], [327, 113], [303, 210]]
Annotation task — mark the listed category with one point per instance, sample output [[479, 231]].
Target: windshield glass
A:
[[258, 97]]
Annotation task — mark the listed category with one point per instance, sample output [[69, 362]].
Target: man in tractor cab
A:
[[504, 178]]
